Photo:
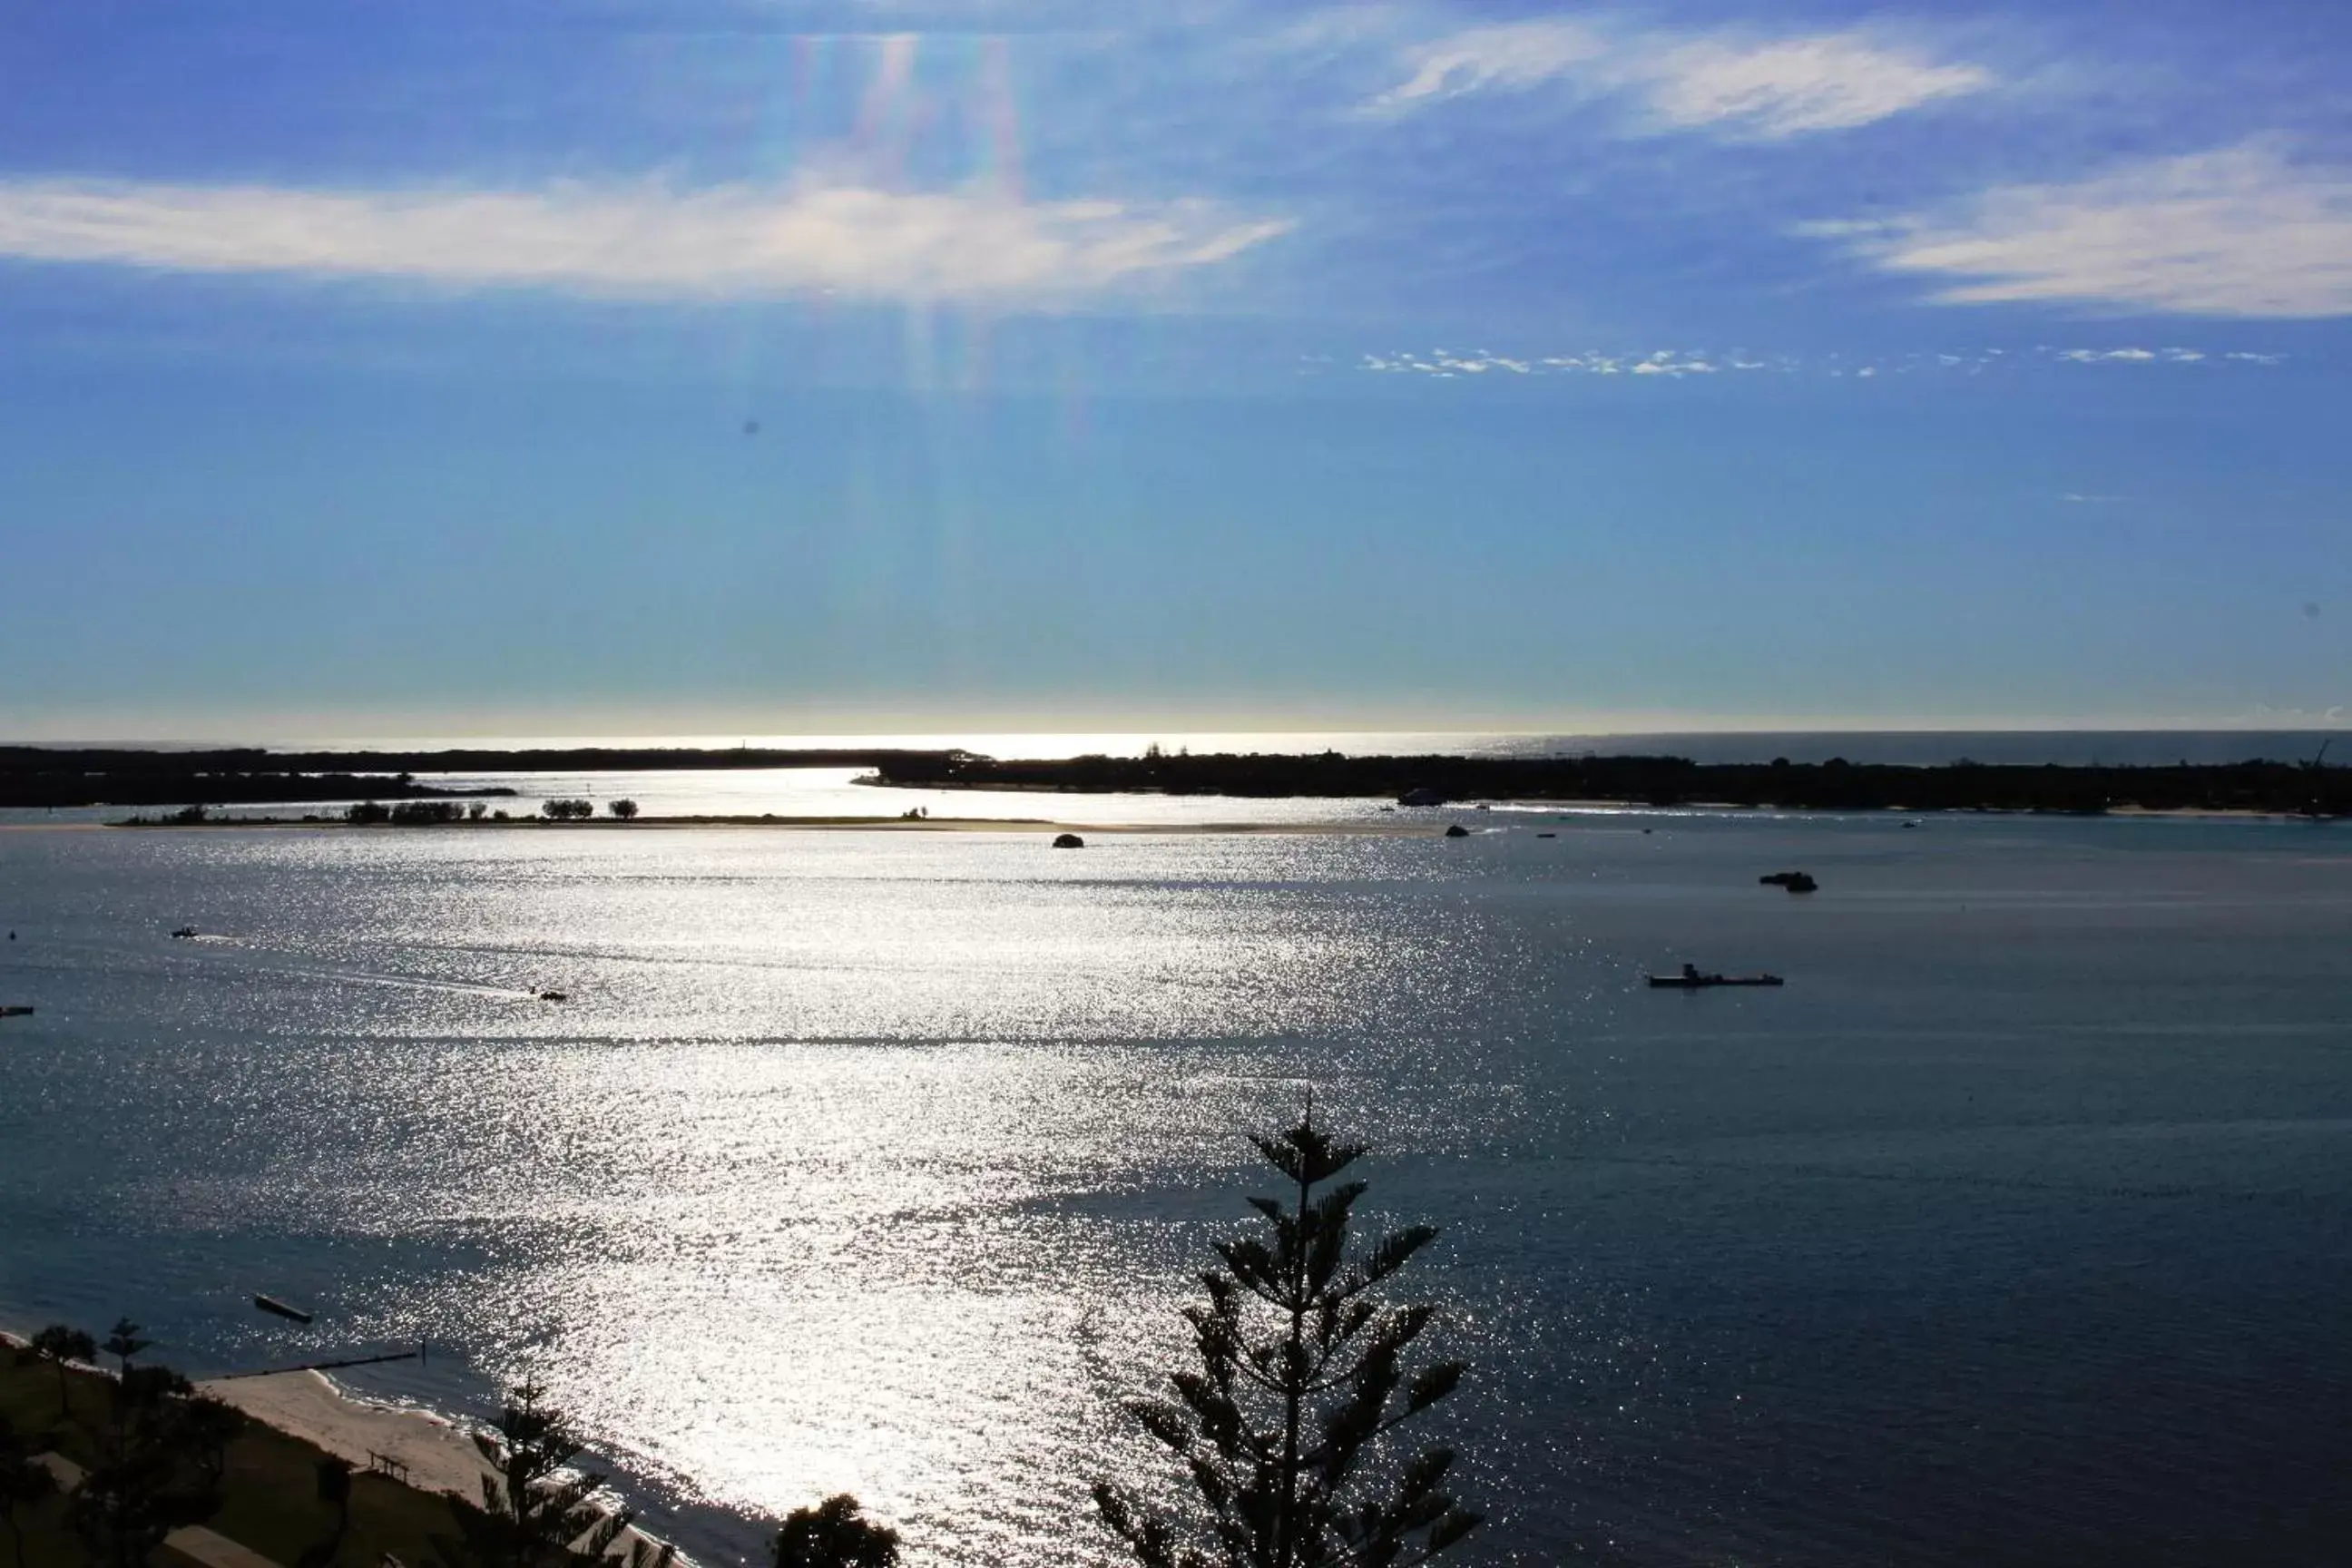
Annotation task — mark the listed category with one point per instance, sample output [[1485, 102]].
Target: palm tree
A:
[[1284, 1427]]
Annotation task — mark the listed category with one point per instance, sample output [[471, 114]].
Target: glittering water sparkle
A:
[[880, 1163]]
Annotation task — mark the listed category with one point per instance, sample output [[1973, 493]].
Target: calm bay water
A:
[[2013, 1230]]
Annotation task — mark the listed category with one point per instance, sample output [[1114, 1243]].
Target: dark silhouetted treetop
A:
[[834, 1534], [60, 1344], [539, 1509], [160, 1460], [1286, 1429]]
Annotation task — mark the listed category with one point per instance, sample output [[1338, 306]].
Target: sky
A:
[[442, 367]]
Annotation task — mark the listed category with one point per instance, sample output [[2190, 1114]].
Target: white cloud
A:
[[637, 240], [2242, 231], [1831, 82], [1510, 55], [1679, 362], [1761, 87]]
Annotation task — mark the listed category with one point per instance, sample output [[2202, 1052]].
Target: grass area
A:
[[272, 1504]]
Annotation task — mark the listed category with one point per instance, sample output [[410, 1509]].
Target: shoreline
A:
[[1399, 827], [436, 1453], [313, 1407]]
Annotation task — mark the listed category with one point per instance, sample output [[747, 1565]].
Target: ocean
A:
[[2012, 1230]]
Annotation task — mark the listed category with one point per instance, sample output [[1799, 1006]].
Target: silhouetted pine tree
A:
[[1283, 1428], [539, 1509], [122, 1343], [832, 1535], [154, 1474]]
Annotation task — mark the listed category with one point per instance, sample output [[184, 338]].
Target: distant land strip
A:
[[2299, 789], [39, 776]]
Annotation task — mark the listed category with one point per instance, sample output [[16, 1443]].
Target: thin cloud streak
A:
[[2242, 231], [1450, 364], [643, 240], [1761, 89]]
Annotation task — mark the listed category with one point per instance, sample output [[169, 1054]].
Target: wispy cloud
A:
[[1763, 88], [644, 239], [1448, 364], [2241, 231]]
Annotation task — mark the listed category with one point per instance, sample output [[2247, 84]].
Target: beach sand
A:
[[439, 1457]]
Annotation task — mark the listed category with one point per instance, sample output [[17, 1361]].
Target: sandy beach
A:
[[426, 1451], [438, 1455]]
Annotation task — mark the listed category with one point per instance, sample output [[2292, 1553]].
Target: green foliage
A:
[[427, 812], [367, 812], [122, 1343], [23, 1484], [160, 1458], [61, 1345], [834, 1535], [539, 1511], [626, 810], [269, 1480], [1285, 1428], [568, 810], [334, 1484]]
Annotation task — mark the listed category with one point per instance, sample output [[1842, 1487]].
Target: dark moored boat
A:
[[272, 1305], [16, 1012], [1691, 980]]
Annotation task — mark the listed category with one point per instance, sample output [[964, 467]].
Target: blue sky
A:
[[701, 366]]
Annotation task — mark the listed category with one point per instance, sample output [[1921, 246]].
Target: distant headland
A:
[[35, 776], [2298, 789], [40, 777]]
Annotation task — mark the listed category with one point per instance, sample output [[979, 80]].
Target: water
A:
[[2012, 1230]]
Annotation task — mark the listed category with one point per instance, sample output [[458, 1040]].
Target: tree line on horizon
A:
[[2305, 788]]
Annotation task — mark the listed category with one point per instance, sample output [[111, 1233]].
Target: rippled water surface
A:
[[2013, 1230]]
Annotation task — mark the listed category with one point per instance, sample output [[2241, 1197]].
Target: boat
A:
[[16, 1012], [276, 1308], [1690, 979], [183, 933], [553, 996], [1795, 881]]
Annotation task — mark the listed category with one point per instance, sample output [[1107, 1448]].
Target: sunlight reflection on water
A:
[[880, 1163]]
